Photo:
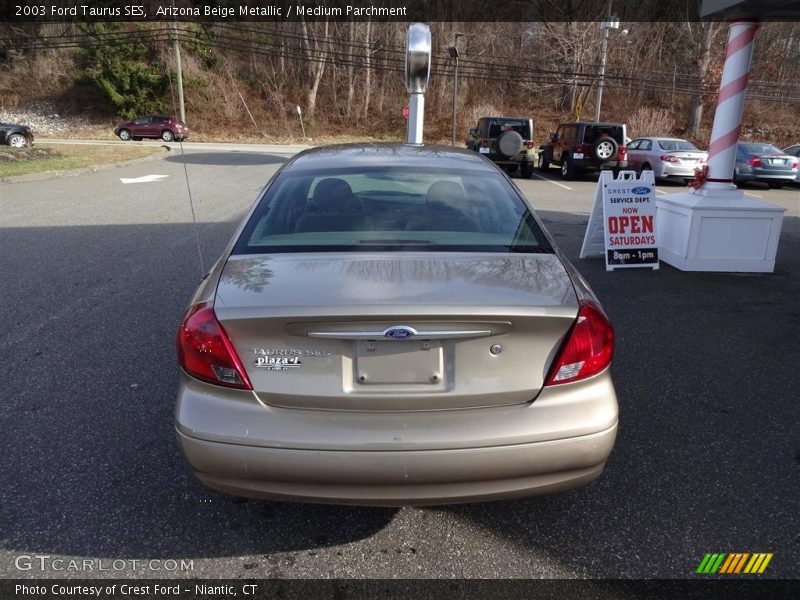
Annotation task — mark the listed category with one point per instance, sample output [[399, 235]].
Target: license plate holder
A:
[[393, 362]]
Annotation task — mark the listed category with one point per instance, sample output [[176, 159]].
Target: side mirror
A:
[[553, 137], [473, 132]]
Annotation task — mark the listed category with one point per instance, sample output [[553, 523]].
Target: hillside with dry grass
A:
[[243, 82]]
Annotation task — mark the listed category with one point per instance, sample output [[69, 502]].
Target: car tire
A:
[[604, 149], [124, 135], [137, 138], [509, 144], [645, 167], [567, 169], [17, 140], [526, 170], [167, 135], [544, 164]]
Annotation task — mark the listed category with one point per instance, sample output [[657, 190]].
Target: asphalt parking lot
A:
[[95, 277]]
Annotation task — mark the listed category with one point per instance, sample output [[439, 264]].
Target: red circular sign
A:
[[405, 111]]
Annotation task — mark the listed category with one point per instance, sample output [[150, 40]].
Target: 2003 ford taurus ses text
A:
[[391, 324]]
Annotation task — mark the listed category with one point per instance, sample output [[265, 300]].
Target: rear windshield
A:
[[595, 131], [676, 145], [521, 127], [760, 149], [391, 208]]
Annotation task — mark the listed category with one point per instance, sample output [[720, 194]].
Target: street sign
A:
[[622, 223], [405, 112]]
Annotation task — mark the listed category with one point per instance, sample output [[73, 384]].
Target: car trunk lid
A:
[[396, 331]]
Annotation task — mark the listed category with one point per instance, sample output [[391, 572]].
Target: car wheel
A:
[[567, 169], [645, 167], [167, 135], [544, 164], [527, 170], [604, 149], [124, 135], [15, 140]]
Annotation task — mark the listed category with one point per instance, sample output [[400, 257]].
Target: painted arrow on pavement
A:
[[143, 179]]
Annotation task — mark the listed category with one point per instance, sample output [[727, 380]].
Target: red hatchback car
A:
[[166, 128]]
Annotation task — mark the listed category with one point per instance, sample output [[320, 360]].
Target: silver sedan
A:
[[666, 157], [794, 151]]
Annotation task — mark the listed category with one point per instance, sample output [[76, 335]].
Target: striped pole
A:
[[730, 106]]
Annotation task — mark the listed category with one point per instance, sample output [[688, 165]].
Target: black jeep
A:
[[506, 141], [585, 146]]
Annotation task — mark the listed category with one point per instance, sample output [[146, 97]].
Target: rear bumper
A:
[[590, 165], [748, 174], [684, 172], [399, 478], [236, 445]]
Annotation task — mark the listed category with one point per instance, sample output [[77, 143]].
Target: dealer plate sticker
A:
[[484, 150]]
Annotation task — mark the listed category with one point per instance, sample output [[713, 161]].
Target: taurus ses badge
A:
[[399, 332]]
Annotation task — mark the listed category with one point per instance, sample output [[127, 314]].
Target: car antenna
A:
[[188, 186]]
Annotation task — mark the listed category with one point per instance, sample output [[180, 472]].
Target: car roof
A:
[[593, 123], [507, 118], [387, 154]]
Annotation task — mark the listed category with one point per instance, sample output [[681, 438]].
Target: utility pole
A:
[[453, 50], [609, 23], [177, 45]]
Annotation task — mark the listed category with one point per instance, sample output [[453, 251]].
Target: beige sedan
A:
[[392, 325]]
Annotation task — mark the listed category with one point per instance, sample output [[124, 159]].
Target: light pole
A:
[[609, 23], [453, 50]]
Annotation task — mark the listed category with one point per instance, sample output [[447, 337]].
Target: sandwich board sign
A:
[[622, 223]]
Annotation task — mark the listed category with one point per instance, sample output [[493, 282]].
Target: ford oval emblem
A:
[[399, 332], [640, 190]]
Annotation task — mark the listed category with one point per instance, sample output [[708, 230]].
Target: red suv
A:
[[585, 146], [166, 128]]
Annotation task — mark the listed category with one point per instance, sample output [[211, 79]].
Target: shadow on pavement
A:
[[226, 158], [706, 374], [93, 467]]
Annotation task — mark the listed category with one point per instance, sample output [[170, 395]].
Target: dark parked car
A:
[[506, 141], [166, 128], [764, 163], [585, 146], [15, 135]]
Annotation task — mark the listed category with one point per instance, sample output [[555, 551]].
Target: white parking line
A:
[[752, 195], [561, 185], [660, 191]]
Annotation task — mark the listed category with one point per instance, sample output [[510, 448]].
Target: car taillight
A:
[[205, 352], [754, 162], [588, 348], [669, 158], [530, 145], [484, 143], [794, 165], [622, 153], [585, 148]]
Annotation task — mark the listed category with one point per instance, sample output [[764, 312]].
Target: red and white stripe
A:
[[730, 105]]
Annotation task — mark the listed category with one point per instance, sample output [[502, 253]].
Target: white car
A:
[[666, 157]]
